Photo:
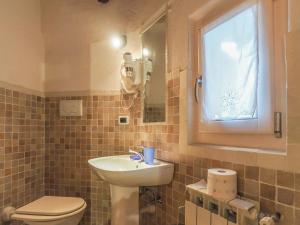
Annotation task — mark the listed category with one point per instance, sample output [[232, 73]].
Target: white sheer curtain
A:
[[231, 67], [237, 65]]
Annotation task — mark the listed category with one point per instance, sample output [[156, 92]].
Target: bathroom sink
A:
[[125, 176], [124, 172]]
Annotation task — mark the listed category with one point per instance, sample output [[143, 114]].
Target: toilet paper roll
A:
[[222, 184], [266, 221]]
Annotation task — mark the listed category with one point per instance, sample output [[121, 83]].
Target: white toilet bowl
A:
[[50, 210]]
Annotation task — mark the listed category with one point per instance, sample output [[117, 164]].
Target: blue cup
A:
[[149, 153]]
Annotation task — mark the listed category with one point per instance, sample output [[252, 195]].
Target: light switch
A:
[[70, 107]]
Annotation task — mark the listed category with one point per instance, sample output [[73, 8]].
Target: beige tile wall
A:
[[22, 147], [71, 141]]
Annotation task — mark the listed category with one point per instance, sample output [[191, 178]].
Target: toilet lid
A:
[[52, 206]]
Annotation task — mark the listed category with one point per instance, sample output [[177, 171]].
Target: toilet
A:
[[50, 210]]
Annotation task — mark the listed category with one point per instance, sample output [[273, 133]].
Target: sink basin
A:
[[125, 176], [124, 172]]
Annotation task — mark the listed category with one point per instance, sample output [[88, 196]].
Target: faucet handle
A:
[[137, 153], [131, 151]]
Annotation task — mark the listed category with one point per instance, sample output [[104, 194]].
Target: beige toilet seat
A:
[[50, 208]]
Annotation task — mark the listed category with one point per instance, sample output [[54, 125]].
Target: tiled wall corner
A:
[[22, 147]]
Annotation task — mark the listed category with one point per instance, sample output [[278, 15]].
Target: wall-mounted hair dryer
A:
[[131, 74]]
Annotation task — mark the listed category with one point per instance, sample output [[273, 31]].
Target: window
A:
[[231, 68], [240, 55]]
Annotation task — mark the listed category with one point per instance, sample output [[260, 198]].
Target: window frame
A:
[[242, 134]]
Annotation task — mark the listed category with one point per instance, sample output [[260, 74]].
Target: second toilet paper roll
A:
[[222, 184]]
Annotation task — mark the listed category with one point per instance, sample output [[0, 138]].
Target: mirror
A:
[[154, 58]]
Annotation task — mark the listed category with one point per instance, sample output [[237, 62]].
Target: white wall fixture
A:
[[70, 108]]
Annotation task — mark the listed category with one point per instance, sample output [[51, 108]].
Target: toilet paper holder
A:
[[230, 215], [214, 206], [239, 211], [200, 201]]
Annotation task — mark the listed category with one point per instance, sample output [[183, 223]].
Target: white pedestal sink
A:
[[125, 176]]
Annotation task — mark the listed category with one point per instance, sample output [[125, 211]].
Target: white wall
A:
[[77, 34], [21, 44], [79, 56]]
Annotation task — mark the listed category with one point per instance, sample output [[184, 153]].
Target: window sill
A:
[[242, 149]]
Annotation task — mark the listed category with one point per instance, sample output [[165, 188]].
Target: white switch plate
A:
[[70, 108]]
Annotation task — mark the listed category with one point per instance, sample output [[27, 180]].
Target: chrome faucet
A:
[[137, 153]]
